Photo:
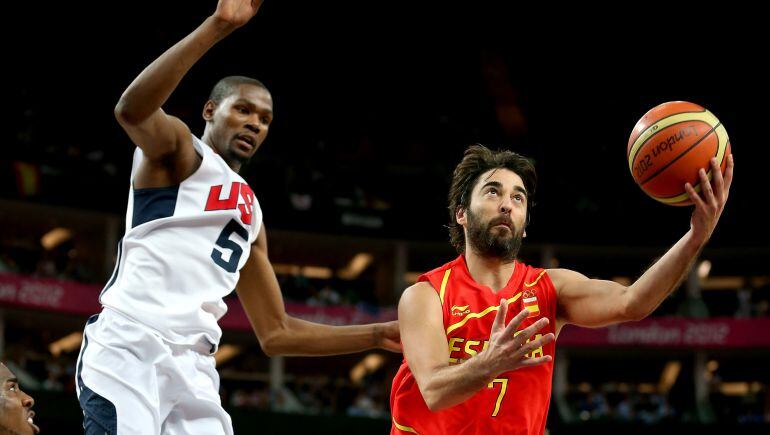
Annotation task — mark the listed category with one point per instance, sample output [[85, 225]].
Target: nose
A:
[[253, 126], [27, 401], [506, 204]]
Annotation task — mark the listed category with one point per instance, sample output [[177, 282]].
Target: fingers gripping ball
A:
[[670, 144]]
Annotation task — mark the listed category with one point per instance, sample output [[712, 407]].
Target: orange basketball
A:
[[670, 144]]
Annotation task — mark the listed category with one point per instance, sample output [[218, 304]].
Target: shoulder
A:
[[418, 291], [418, 299], [562, 277], [420, 294]]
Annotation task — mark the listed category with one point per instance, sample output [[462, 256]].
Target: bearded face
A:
[[497, 237]]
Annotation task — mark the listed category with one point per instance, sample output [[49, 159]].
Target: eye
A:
[[518, 198], [492, 191], [13, 387], [265, 120], [242, 110]]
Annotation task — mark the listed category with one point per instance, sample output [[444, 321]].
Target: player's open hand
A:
[[507, 350], [710, 203], [236, 12]]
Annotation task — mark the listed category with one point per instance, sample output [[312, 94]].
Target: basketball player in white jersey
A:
[[193, 233]]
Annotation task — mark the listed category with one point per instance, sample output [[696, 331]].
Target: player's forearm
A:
[[150, 90], [300, 337], [663, 277], [451, 385]]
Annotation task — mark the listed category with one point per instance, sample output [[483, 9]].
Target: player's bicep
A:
[[261, 242], [260, 293], [421, 322], [159, 136], [588, 302]]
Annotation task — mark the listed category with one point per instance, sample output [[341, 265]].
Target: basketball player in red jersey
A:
[[479, 332]]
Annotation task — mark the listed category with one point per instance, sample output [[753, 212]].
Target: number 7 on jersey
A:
[[503, 388]]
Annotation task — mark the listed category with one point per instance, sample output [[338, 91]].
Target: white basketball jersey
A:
[[182, 250]]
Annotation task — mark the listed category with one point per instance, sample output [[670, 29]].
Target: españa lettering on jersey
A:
[[516, 402]]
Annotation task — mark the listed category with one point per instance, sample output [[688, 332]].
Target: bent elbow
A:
[[124, 115], [433, 401], [267, 349], [632, 311], [275, 343], [635, 317], [270, 346]]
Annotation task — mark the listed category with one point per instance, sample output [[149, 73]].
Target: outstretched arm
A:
[[280, 334], [594, 303], [139, 109]]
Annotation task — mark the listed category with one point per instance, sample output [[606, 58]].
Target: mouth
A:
[[246, 142], [502, 224], [32, 422]]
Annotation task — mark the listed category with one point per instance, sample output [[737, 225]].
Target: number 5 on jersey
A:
[[224, 242], [214, 202]]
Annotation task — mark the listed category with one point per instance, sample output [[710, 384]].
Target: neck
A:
[[235, 165], [489, 271]]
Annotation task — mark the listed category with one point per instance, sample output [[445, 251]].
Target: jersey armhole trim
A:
[[443, 285]]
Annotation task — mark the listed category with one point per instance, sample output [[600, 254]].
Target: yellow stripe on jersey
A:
[[443, 285], [480, 314], [536, 279], [403, 428]]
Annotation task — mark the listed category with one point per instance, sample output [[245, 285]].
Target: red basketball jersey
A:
[[516, 402]]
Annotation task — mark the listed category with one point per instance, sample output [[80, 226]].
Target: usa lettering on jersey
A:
[[237, 189]]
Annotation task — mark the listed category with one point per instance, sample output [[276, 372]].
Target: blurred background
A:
[[374, 106]]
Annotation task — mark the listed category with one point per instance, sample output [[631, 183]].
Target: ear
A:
[[208, 110], [460, 216]]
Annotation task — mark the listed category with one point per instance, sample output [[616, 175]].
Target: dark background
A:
[[375, 103], [386, 97]]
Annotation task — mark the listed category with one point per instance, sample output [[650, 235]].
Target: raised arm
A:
[[139, 109], [280, 334], [427, 352], [593, 303]]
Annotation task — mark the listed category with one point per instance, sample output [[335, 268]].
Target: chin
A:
[[236, 155]]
